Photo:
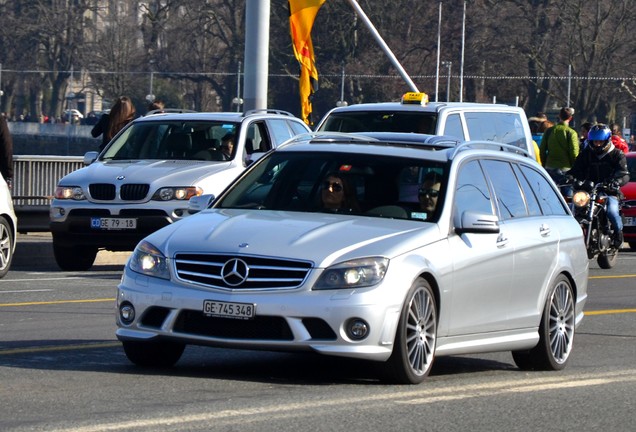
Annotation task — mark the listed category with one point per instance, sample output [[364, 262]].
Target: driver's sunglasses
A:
[[432, 193], [332, 186]]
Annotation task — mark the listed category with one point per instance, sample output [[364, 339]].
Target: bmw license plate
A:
[[229, 310], [114, 223], [630, 221]]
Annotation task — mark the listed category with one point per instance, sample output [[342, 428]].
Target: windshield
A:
[[369, 185], [381, 121], [195, 140]]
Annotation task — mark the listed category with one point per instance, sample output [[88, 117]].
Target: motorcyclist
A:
[[601, 162]]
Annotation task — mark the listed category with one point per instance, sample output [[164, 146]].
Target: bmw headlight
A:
[[70, 193], [357, 273], [581, 199], [148, 260], [177, 193]]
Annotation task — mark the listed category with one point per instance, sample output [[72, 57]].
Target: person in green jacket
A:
[[560, 147]]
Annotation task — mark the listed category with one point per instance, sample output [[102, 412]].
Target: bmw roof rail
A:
[[490, 145], [266, 111], [170, 111]]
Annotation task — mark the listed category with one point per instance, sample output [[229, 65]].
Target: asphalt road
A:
[[61, 369]]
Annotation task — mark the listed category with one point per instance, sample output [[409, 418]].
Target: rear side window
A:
[[509, 198], [496, 126], [548, 199], [453, 126]]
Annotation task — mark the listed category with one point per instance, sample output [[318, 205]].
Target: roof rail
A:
[[170, 110], [266, 111], [490, 145]]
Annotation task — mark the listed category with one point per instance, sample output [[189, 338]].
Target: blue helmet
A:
[[599, 132]]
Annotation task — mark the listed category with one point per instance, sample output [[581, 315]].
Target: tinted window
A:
[[548, 198], [454, 126], [381, 121], [472, 193], [365, 184], [496, 126], [296, 127], [509, 199]]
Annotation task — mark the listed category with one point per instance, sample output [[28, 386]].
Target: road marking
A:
[[55, 302], [609, 311], [53, 348], [626, 276], [424, 395], [25, 291]]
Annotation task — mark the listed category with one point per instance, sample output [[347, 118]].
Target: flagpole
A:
[[439, 31], [383, 45], [461, 72]]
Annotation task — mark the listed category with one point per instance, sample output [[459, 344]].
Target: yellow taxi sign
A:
[[416, 98]]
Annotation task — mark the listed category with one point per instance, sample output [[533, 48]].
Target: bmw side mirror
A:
[[89, 157]]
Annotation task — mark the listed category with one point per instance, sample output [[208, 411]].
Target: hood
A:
[[317, 237], [166, 172]]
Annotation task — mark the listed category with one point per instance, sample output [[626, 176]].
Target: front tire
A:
[[607, 260], [7, 247], [556, 331], [160, 354], [416, 336], [74, 258]]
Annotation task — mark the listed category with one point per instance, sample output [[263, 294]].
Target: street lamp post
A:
[[448, 64]]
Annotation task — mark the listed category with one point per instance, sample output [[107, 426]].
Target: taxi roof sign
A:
[[415, 98]]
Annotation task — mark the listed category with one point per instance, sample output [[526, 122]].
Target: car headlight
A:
[[148, 260], [70, 193], [177, 193], [581, 199], [357, 273]]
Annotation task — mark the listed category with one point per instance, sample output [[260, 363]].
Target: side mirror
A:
[[199, 203], [477, 223], [90, 157]]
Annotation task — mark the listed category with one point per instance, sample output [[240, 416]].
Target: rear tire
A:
[[7, 247], [74, 258], [556, 331], [160, 354], [416, 337]]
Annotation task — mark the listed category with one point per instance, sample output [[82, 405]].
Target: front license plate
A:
[[229, 310], [631, 221], [114, 223]]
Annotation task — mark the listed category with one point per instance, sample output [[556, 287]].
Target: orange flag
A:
[[301, 19]]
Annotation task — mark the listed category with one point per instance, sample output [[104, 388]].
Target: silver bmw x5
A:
[[392, 248]]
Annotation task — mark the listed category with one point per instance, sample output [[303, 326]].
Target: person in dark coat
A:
[[122, 113]]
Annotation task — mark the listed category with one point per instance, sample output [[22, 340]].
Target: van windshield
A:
[[381, 121]]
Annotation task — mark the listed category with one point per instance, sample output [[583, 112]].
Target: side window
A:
[[509, 198], [453, 126], [279, 130], [534, 209], [471, 192], [548, 198], [257, 138], [297, 128], [496, 126]]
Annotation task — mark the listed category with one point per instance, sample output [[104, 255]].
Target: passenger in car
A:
[[428, 195], [338, 195]]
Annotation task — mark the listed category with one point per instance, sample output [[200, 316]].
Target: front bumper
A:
[[286, 320]]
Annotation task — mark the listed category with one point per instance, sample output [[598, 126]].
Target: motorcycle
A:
[[589, 206]]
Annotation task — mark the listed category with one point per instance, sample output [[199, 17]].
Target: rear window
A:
[[381, 121]]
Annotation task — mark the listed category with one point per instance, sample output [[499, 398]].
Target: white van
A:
[[464, 120]]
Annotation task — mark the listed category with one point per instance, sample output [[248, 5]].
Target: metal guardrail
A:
[[34, 181]]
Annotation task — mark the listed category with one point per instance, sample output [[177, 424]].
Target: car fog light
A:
[[178, 212], [127, 313], [357, 329]]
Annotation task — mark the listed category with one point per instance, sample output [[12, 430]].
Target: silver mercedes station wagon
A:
[[390, 248]]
